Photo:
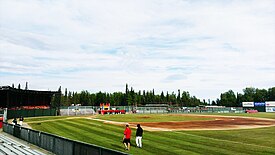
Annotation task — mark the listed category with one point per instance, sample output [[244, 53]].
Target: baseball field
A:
[[170, 133]]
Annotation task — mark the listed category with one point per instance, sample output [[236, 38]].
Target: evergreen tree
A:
[[26, 87], [56, 102], [228, 99], [271, 94], [167, 97], [162, 97], [66, 97], [185, 98], [178, 99], [249, 94]]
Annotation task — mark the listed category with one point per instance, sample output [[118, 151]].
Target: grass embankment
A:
[[246, 141]]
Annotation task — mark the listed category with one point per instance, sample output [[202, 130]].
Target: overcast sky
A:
[[205, 47]]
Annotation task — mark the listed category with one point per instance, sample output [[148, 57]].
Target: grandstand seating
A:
[[30, 107], [9, 146]]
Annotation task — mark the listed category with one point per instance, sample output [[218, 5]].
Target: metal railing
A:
[[87, 110], [56, 144]]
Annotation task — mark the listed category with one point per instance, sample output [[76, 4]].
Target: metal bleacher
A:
[[9, 146]]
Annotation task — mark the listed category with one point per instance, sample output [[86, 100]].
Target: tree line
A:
[[183, 99], [250, 94]]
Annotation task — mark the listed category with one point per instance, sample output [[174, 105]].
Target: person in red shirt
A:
[[127, 137]]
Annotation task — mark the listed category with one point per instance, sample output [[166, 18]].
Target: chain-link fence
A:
[[78, 110], [90, 110], [151, 110], [156, 110]]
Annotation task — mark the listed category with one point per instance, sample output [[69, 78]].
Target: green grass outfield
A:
[[244, 141]]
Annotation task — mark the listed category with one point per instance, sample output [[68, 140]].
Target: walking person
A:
[[127, 137], [139, 133], [21, 119], [14, 121]]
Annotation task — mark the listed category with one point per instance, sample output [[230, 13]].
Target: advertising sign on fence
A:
[[259, 104], [270, 103], [270, 109], [248, 104]]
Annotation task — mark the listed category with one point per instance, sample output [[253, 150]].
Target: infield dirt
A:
[[217, 123]]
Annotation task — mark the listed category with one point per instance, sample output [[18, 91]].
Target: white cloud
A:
[[205, 47]]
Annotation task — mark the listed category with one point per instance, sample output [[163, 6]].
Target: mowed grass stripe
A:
[[199, 143], [84, 131], [177, 144], [193, 142], [107, 126], [209, 144], [223, 143], [150, 141], [95, 131], [193, 146], [260, 136], [113, 135], [80, 124], [66, 130], [55, 128], [45, 118], [104, 129], [234, 145], [225, 140], [113, 142], [196, 146]]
